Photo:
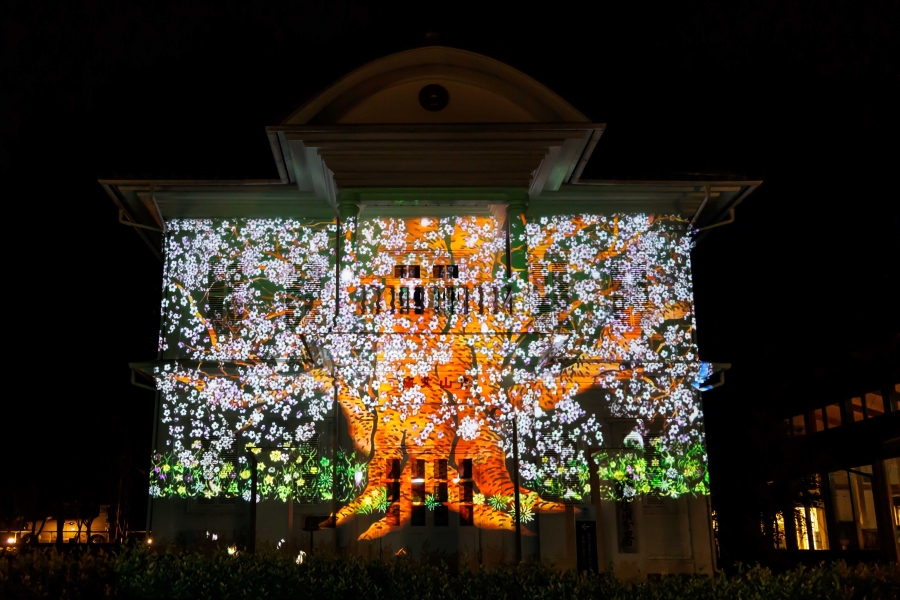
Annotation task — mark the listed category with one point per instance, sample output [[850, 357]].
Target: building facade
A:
[[431, 335], [841, 493]]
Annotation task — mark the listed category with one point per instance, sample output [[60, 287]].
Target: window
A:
[[551, 280], [874, 404], [437, 271], [418, 493], [298, 297], [798, 425], [418, 515], [895, 398], [811, 529], [441, 512], [892, 476], [306, 471], [392, 483], [833, 415], [856, 408], [818, 420], [778, 531], [223, 298], [466, 493], [854, 505]]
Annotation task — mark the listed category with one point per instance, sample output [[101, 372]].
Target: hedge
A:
[[136, 572]]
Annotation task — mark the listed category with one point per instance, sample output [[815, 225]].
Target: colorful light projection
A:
[[238, 369], [436, 351]]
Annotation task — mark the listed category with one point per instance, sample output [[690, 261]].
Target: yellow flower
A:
[[269, 479], [245, 474], [166, 468], [314, 470], [182, 490], [301, 482], [619, 475], [478, 499], [275, 455]]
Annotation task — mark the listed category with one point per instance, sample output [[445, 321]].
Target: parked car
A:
[[75, 531]]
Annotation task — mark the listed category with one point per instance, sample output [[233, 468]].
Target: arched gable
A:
[[481, 90]]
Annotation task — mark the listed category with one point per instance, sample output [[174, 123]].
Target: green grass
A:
[[136, 572]]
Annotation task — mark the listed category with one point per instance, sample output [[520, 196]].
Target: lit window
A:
[[856, 407], [895, 398], [833, 415], [818, 420], [874, 404], [417, 517], [892, 475], [810, 528], [778, 531], [854, 505], [810, 522], [798, 425]]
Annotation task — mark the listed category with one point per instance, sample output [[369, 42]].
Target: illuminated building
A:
[[429, 305], [841, 491]]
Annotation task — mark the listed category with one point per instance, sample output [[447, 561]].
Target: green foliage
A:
[[377, 502], [281, 472], [627, 473], [498, 502], [563, 484], [508, 504], [136, 572], [352, 475]]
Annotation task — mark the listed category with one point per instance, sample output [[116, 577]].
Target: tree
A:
[[427, 364]]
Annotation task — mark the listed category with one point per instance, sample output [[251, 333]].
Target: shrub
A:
[[136, 572]]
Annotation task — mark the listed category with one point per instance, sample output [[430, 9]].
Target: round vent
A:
[[434, 97]]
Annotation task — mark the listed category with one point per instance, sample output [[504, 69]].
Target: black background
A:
[[797, 294]]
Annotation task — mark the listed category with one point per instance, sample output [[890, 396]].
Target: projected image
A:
[[446, 349]]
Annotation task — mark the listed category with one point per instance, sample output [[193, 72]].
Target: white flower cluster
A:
[[272, 331]]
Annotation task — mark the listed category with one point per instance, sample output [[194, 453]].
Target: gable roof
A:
[[481, 90]]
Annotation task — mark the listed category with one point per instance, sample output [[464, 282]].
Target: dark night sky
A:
[[803, 95]]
